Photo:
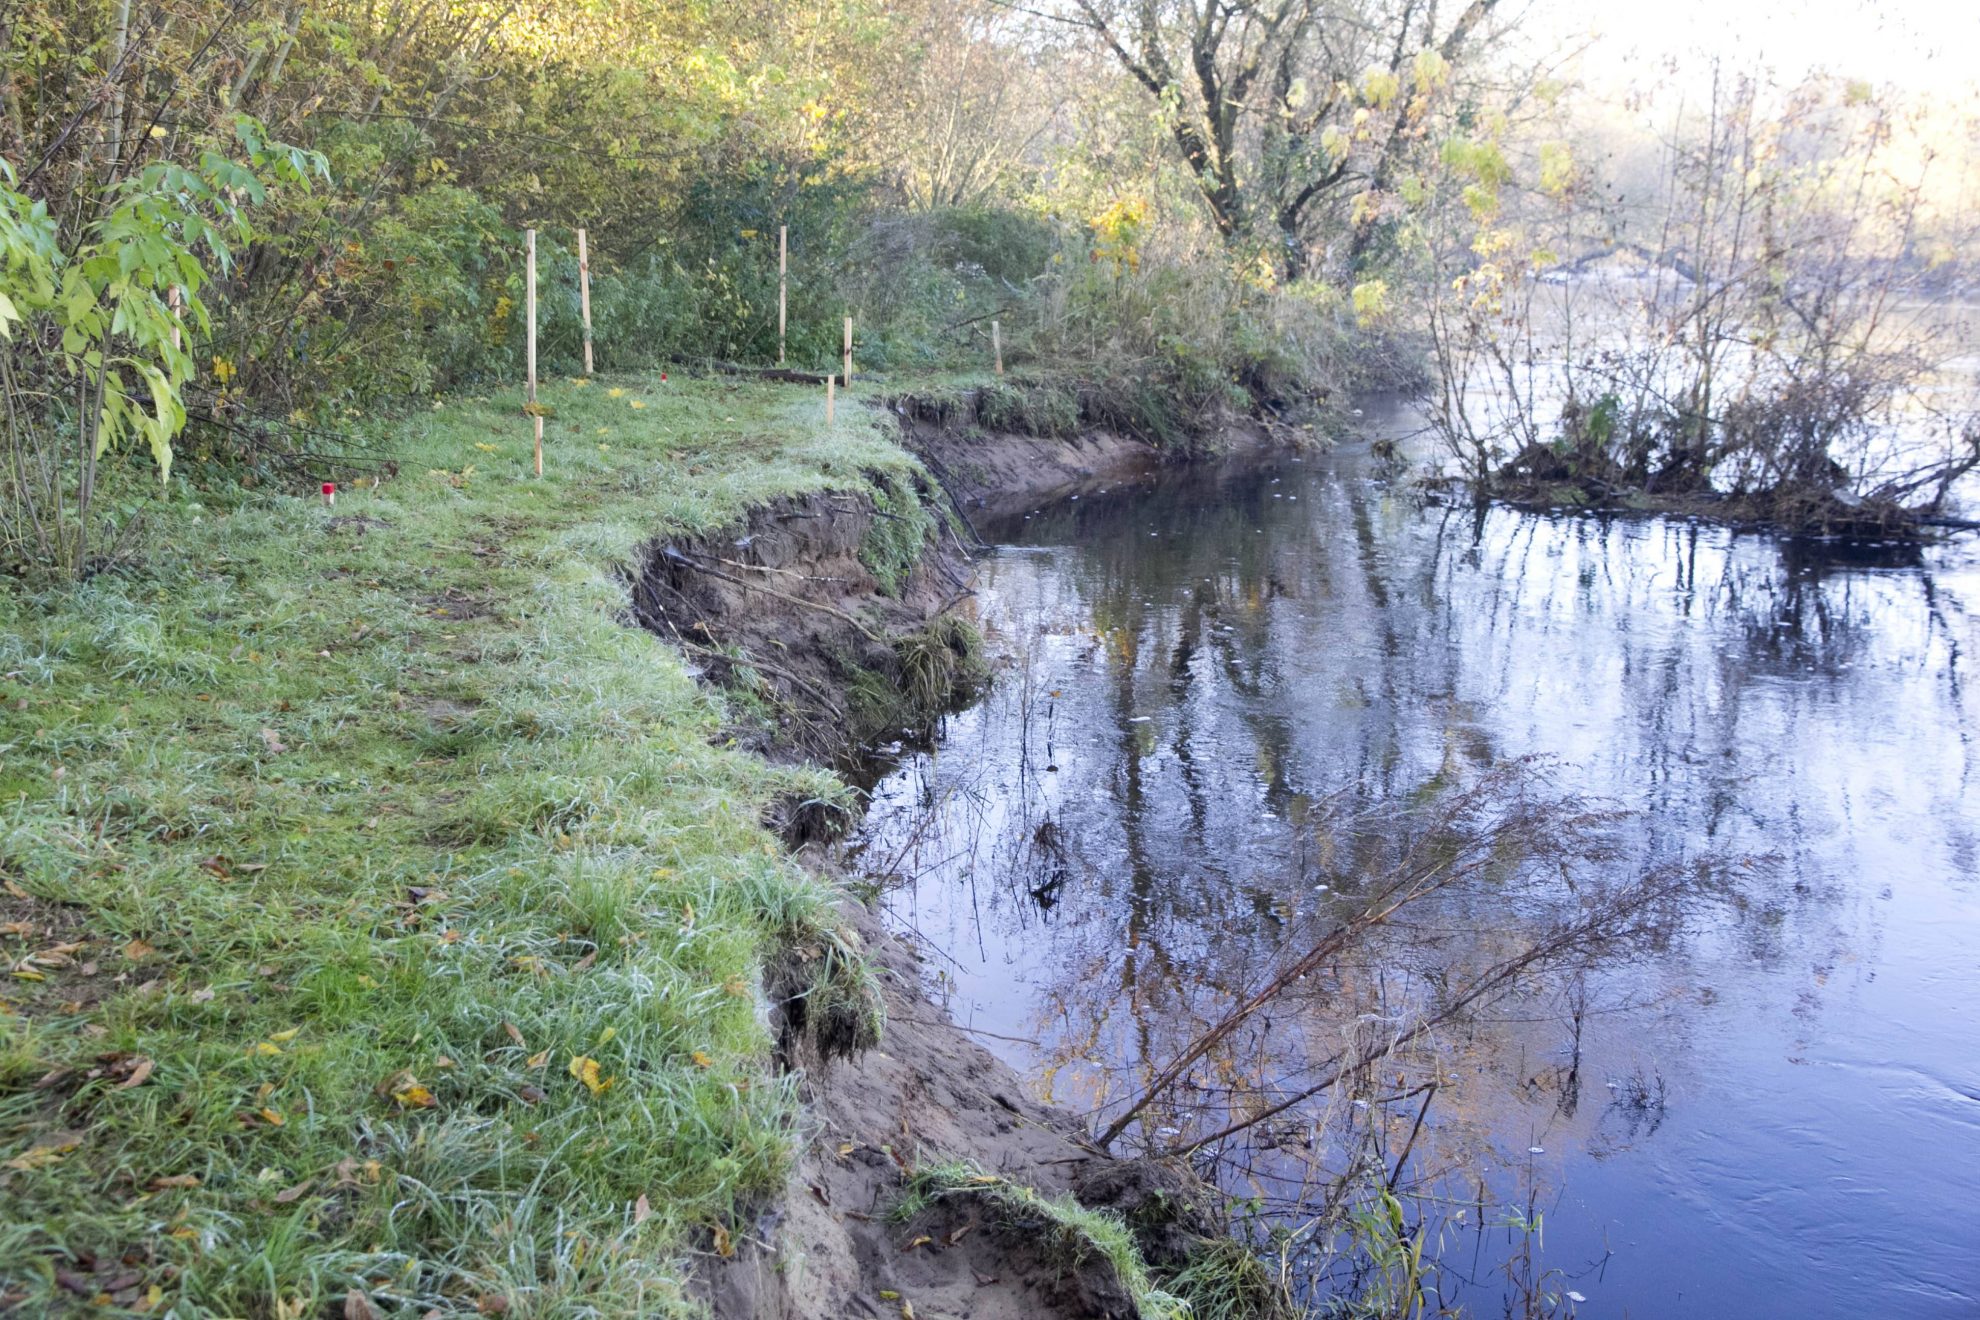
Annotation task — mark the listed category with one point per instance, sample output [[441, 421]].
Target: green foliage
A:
[[902, 527], [1224, 1280], [95, 346]]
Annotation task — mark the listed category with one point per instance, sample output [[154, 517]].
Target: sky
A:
[[1928, 46]]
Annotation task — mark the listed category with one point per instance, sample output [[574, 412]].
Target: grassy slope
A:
[[343, 833]]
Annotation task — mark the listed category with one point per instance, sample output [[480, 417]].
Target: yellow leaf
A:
[[723, 1246], [586, 1071], [40, 1157], [273, 1117], [284, 1037], [638, 403], [264, 1048], [615, 392], [415, 1097], [29, 974], [701, 1060]]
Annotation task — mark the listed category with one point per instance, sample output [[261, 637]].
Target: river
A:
[[1772, 1108]]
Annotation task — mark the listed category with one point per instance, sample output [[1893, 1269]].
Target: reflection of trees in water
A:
[[1259, 670]]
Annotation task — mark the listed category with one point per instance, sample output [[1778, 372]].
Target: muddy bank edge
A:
[[837, 623]]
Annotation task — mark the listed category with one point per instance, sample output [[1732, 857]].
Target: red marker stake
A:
[[330, 494]]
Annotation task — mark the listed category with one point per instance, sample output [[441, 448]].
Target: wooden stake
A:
[[529, 314], [828, 401], [584, 297], [997, 345], [849, 352], [783, 270]]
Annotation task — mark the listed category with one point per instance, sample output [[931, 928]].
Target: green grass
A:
[[350, 834]]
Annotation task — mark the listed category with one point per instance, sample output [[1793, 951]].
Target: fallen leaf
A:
[[273, 1117], [493, 1304], [275, 745], [537, 1060], [514, 1035], [701, 1060], [723, 1246], [289, 1195], [203, 995], [137, 949], [530, 1095], [139, 1073], [586, 1070], [416, 1097], [642, 1209], [284, 1037], [168, 1181], [45, 1153], [357, 1306], [921, 1241], [15, 889]]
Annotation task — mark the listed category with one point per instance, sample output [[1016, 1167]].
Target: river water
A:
[[1773, 1108]]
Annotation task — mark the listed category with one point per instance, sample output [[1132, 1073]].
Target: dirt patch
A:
[[927, 1094], [789, 613], [54, 963]]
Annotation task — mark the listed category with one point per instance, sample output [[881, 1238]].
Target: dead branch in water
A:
[[1608, 922], [1490, 833]]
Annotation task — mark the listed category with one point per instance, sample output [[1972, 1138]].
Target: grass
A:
[[384, 915], [1064, 1228]]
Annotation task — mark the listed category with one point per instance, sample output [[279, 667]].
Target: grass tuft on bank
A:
[[382, 913]]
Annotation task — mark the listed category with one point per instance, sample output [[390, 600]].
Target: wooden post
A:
[[529, 312], [584, 297], [828, 401], [849, 352], [783, 271], [997, 345]]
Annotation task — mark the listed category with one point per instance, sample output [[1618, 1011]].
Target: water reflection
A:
[[1206, 676]]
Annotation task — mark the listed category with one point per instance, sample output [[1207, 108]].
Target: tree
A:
[[1280, 107]]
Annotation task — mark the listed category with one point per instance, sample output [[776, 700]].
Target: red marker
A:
[[663, 378], [329, 493]]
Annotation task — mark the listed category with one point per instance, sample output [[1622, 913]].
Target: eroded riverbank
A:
[[830, 621]]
